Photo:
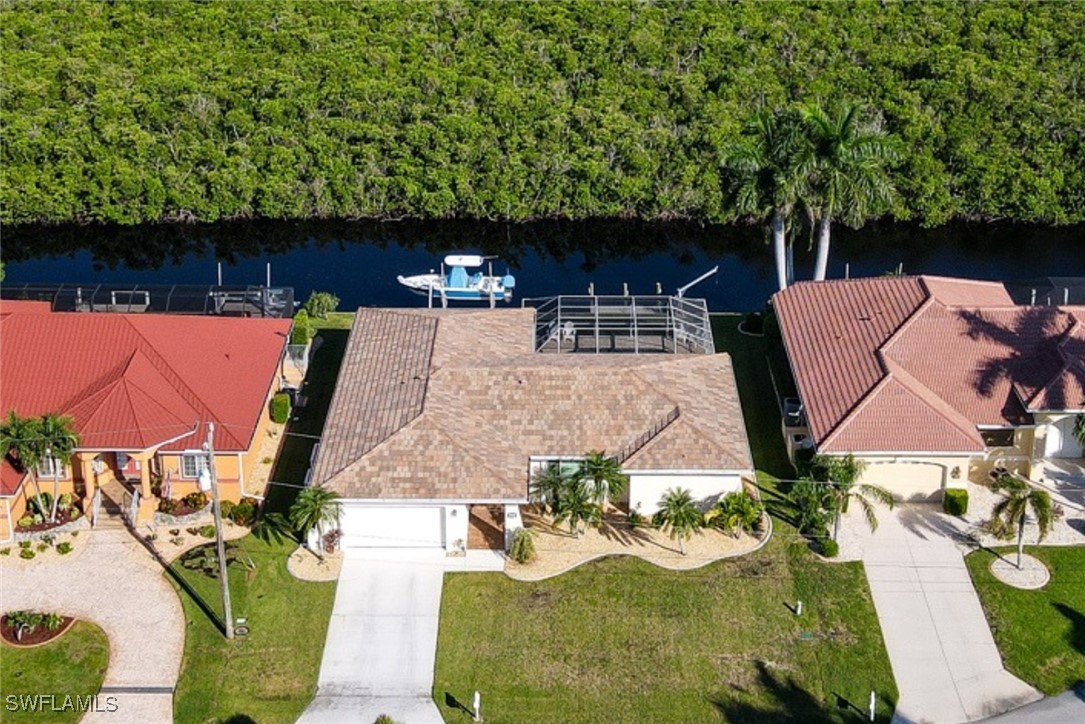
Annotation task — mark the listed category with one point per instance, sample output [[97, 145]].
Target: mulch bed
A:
[[63, 516], [40, 635]]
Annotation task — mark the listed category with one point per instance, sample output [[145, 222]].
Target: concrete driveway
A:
[[382, 639], [115, 583], [944, 657]]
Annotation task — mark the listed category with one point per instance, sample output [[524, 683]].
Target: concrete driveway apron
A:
[[382, 639], [943, 655]]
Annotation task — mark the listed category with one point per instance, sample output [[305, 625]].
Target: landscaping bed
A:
[[72, 665], [1040, 633], [40, 635]]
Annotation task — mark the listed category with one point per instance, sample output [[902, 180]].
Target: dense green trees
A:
[[166, 110]]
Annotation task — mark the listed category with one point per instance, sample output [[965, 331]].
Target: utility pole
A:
[[216, 506]]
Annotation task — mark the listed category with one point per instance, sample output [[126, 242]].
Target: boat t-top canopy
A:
[[471, 260]]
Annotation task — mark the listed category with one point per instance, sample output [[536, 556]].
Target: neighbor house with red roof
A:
[[933, 381], [141, 390]]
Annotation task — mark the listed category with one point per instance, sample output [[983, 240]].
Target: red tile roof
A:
[[917, 363], [131, 381]]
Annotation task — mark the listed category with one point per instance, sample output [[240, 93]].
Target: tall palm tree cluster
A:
[[30, 441], [577, 497], [827, 487], [807, 168]]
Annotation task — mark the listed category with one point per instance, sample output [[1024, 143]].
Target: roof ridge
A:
[[854, 411], [931, 399]]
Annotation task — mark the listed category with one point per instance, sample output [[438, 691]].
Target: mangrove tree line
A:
[[129, 112]]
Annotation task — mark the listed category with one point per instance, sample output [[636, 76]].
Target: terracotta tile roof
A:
[[490, 403], [133, 380], [916, 364], [10, 478]]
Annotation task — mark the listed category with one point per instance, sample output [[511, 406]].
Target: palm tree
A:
[[58, 440], [840, 475], [20, 440], [850, 180], [736, 513], [678, 516], [315, 508], [767, 176], [548, 485], [605, 475], [1010, 513], [577, 505]]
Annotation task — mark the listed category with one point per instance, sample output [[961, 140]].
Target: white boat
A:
[[455, 283]]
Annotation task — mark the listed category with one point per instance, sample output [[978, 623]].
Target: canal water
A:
[[359, 261]]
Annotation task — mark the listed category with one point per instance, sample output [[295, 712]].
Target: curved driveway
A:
[[117, 584]]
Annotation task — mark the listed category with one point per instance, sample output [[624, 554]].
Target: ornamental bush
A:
[[280, 407], [830, 548], [955, 501], [523, 546], [302, 330], [195, 501], [321, 304]]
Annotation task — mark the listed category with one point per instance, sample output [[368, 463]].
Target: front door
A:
[[1061, 441]]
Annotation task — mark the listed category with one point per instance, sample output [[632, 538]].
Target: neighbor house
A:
[[141, 389], [439, 416], [933, 381]]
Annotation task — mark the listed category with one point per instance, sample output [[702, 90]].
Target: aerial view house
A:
[[933, 381], [140, 389], [441, 415]]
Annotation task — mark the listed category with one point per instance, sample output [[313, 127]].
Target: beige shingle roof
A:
[[490, 403]]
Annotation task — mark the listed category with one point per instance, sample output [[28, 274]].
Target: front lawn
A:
[[269, 675], [623, 640], [1041, 634], [72, 665]]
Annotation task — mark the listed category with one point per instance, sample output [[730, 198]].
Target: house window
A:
[[51, 468], [998, 438], [567, 465], [192, 464]]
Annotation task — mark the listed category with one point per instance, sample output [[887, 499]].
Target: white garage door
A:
[[906, 481], [1061, 441], [392, 527]]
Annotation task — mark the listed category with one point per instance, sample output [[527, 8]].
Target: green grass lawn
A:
[[72, 665], [1041, 634], [270, 675], [623, 640]]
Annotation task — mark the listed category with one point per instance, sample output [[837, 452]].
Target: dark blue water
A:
[[359, 261]]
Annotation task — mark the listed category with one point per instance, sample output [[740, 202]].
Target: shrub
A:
[[24, 544], [384, 719], [523, 546], [207, 531], [331, 540], [64, 548], [244, 512], [26, 554], [65, 502], [75, 534], [226, 507], [636, 520], [955, 501], [76, 514], [45, 507], [42, 547], [321, 304], [26, 521], [168, 506], [302, 330], [830, 548], [195, 501], [280, 407], [753, 323], [5, 551]]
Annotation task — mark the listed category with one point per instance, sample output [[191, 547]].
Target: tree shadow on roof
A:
[[1032, 360]]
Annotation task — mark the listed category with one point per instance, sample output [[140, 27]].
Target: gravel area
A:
[[169, 547], [304, 566], [1031, 575], [558, 551], [967, 530]]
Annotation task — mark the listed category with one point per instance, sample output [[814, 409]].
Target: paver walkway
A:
[[945, 661], [117, 584], [382, 639]]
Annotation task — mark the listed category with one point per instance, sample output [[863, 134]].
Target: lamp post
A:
[[209, 477]]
